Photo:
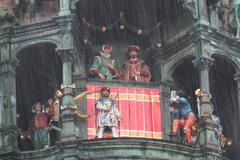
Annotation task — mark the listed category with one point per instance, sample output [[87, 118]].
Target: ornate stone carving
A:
[[8, 66], [64, 22], [203, 63], [65, 54]]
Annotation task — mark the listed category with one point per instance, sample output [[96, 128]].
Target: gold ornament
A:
[[198, 92], [58, 93]]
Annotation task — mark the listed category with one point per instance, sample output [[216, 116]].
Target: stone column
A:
[[203, 64], [202, 12], [8, 128], [206, 124], [164, 100], [67, 121], [236, 129], [79, 79], [64, 8], [237, 79]]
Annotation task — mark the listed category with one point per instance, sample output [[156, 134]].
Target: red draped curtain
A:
[[139, 108]]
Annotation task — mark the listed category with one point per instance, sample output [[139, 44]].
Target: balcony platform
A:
[[118, 148]]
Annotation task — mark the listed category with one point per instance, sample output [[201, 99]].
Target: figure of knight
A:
[[108, 114]]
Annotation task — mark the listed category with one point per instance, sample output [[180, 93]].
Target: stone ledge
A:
[[118, 148]]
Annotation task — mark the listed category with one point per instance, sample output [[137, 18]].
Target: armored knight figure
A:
[[108, 114], [135, 69], [104, 67]]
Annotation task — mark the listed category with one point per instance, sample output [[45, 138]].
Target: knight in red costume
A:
[[135, 69]]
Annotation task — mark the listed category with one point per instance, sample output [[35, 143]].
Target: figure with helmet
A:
[[108, 114]]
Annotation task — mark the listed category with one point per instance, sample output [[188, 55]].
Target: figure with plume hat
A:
[[104, 67]]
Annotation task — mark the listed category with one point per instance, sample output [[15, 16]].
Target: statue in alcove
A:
[[104, 67], [186, 119], [234, 19], [135, 69], [222, 140], [53, 109], [7, 112], [213, 7], [224, 13], [38, 127], [108, 114]]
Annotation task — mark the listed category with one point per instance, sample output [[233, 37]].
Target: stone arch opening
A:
[[186, 77], [224, 92], [38, 75]]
